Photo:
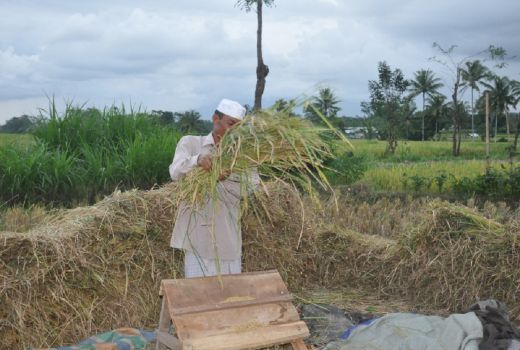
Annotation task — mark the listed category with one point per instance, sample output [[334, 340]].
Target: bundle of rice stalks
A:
[[277, 145]]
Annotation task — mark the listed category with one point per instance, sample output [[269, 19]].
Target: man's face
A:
[[223, 124]]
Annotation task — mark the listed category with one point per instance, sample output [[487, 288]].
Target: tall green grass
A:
[[83, 154]]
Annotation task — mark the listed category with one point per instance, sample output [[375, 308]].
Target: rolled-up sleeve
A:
[[184, 159]]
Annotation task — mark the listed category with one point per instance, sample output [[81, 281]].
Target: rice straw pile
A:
[[96, 268]]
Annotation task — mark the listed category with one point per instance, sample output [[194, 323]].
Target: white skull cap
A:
[[231, 108]]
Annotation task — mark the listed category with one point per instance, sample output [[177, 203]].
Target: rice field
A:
[[9, 139], [419, 151], [426, 167], [400, 177]]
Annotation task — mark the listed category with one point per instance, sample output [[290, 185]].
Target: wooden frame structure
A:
[[229, 312]]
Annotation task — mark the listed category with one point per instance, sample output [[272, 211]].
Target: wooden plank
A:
[[168, 340], [246, 302], [164, 323], [231, 320], [299, 345], [186, 294], [251, 339]]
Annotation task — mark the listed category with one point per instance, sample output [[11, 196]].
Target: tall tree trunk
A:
[[517, 132], [423, 116], [472, 112], [454, 141], [507, 122], [261, 69], [496, 124], [458, 141], [455, 117]]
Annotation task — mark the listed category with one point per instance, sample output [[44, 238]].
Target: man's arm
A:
[[183, 161]]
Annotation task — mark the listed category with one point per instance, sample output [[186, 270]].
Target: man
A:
[[210, 235]]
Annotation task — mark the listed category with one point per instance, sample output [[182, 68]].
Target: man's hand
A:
[[205, 162]]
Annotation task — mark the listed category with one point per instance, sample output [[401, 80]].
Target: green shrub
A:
[[498, 184], [346, 168]]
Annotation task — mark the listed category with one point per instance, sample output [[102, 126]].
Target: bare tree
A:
[[262, 70], [456, 68]]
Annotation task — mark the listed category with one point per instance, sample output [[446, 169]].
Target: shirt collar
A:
[[208, 140]]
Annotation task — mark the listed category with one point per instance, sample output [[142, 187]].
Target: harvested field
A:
[[96, 268]]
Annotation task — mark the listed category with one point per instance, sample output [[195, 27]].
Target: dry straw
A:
[[280, 147], [96, 268]]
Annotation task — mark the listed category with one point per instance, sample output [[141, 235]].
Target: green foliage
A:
[[497, 184], [286, 106], [346, 168], [325, 103], [440, 179], [418, 182], [84, 154], [9, 139], [190, 122], [387, 101], [425, 84], [19, 125]]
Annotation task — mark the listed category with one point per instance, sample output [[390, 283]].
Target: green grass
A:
[[405, 177], [10, 139], [422, 166], [418, 151]]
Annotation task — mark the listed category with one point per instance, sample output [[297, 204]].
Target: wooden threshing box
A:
[[230, 312]]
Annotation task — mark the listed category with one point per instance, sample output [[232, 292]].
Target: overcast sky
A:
[[179, 54]]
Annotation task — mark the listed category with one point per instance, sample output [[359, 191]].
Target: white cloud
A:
[[177, 55], [15, 66]]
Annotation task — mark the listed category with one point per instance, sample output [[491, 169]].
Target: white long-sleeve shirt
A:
[[212, 231]]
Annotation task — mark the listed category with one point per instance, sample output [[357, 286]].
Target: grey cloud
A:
[[188, 54]]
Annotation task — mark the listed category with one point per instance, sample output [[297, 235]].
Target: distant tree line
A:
[[19, 125], [186, 122], [391, 108]]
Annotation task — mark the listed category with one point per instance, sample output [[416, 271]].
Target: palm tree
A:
[[425, 84], [502, 96], [287, 106], [326, 103], [437, 109], [408, 112], [472, 76], [188, 121]]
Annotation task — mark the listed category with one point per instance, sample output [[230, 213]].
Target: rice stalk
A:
[[278, 146]]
